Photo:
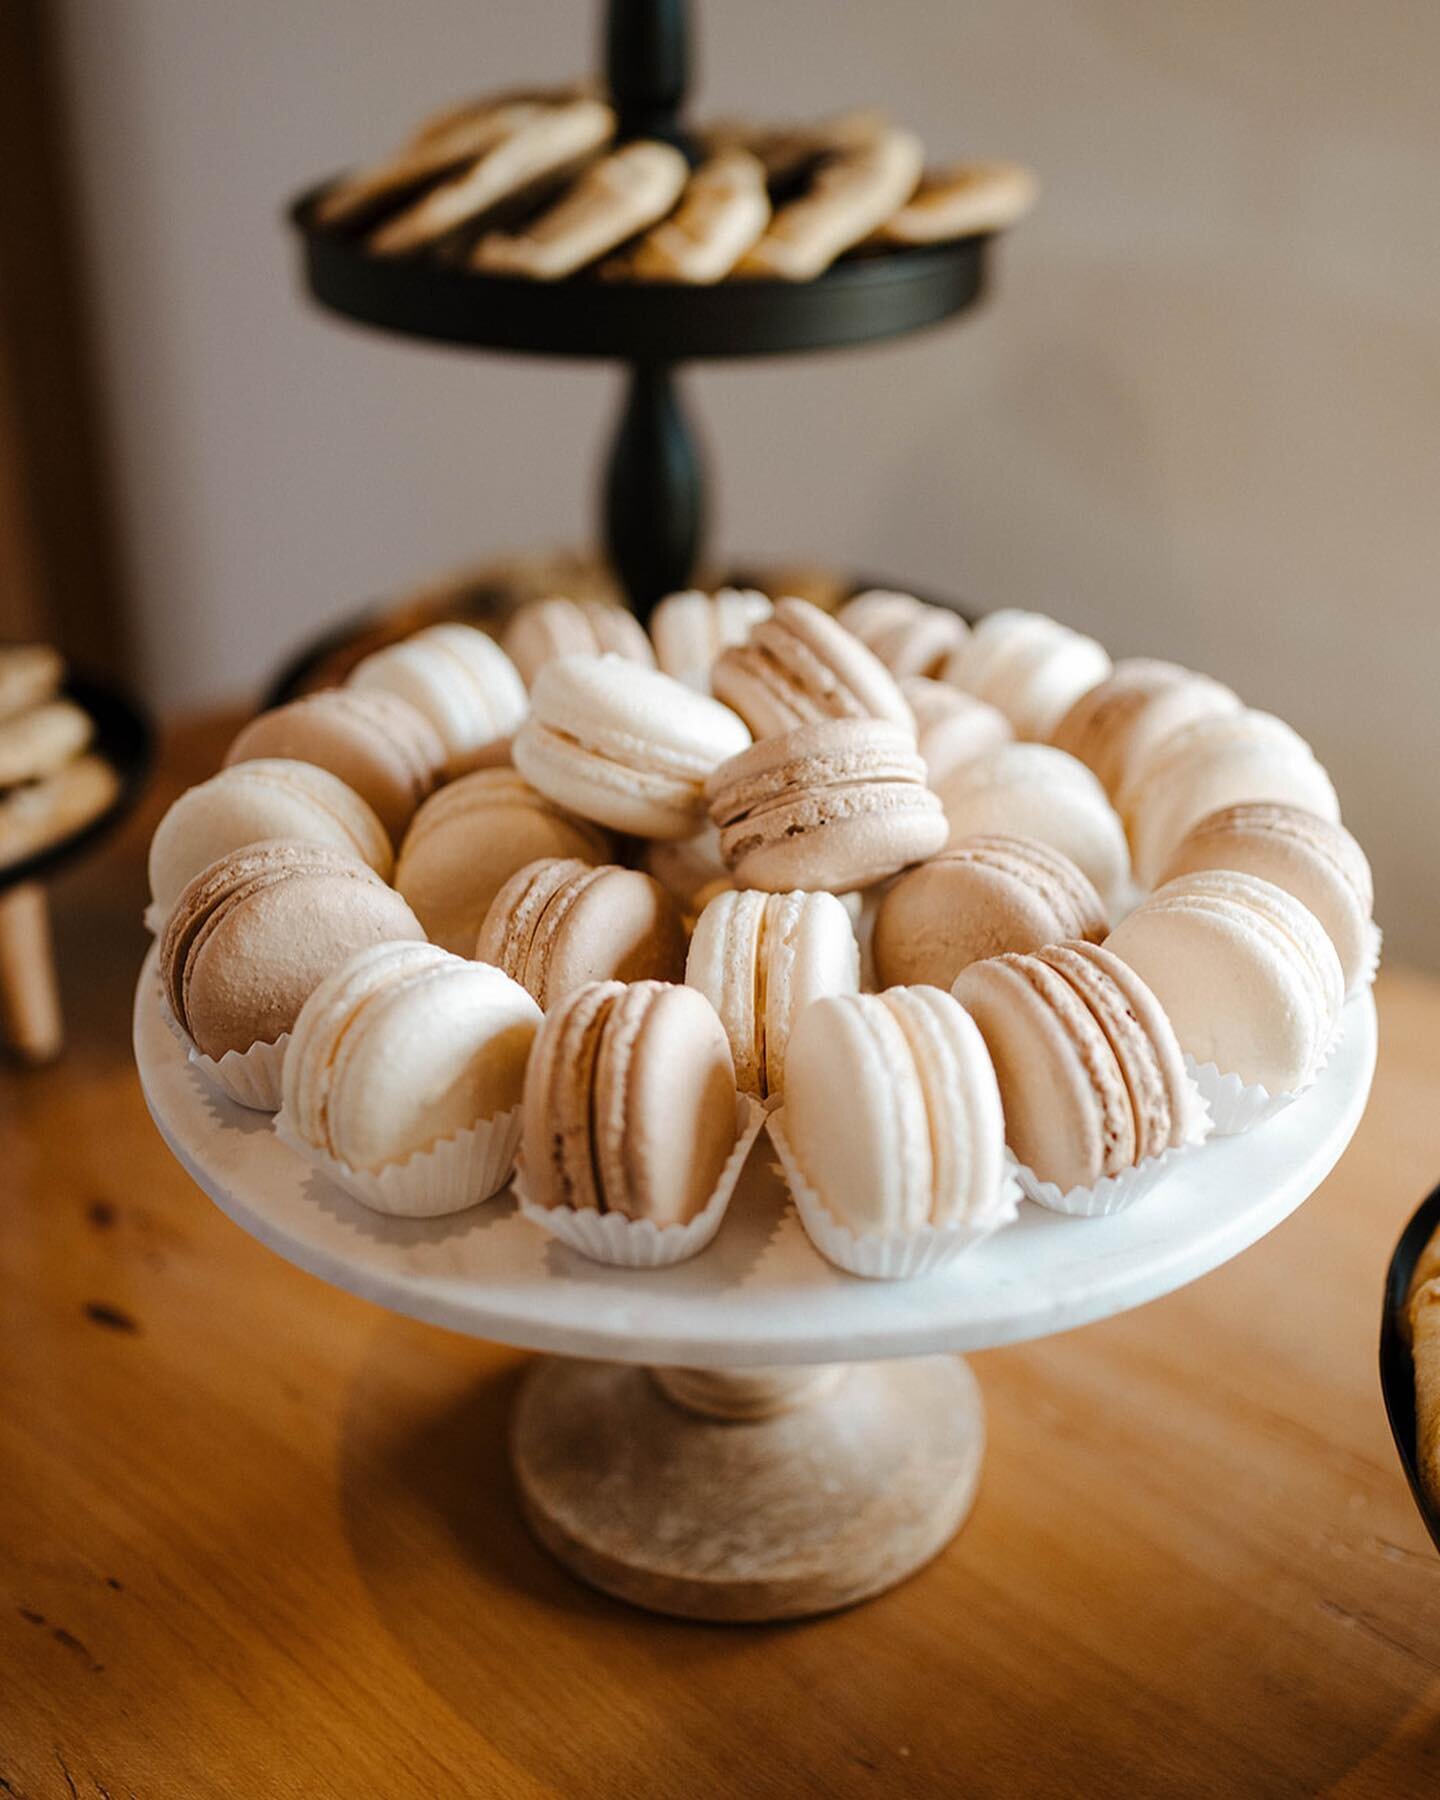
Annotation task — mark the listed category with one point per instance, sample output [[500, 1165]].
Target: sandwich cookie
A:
[[951, 727], [538, 149], [910, 636], [1250, 980], [404, 1079], [633, 1135], [849, 195], [691, 629], [248, 803], [982, 897], [544, 629], [1091, 1074], [962, 202], [375, 742], [1214, 762], [724, 209], [614, 198], [831, 806], [559, 923], [891, 1136], [468, 839], [799, 666], [1033, 791], [42, 813], [1121, 721], [1031, 667], [1312, 858], [249, 940], [36, 743], [29, 675], [626, 746], [760, 959], [461, 680]]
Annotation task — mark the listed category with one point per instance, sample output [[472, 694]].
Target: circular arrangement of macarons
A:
[[958, 917]]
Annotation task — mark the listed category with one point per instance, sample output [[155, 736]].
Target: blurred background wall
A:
[[1200, 417]]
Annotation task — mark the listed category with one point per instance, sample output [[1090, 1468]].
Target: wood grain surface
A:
[[258, 1538]]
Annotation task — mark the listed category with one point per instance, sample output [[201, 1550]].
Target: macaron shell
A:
[[460, 679], [255, 801], [800, 665], [952, 727], [692, 629], [515, 912], [911, 637], [724, 964], [544, 629], [36, 743], [664, 1103], [1314, 859], [606, 924], [836, 840], [1122, 721], [1029, 666], [556, 1140], [855, 1115], [373, 741], [809, 951]]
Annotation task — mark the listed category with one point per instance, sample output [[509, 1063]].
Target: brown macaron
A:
[[253, 935], [560, 923], [984, 896], [799, 666], [1114, 725], [629, 1103], [378, 744]]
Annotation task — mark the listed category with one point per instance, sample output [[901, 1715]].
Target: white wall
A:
[[1201, 416]]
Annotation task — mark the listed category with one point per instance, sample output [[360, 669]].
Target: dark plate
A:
[[1397, 1369], [124, 737], [857, 301]]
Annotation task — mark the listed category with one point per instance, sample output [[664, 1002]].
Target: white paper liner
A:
[[456, 1173], [1114, 1193], [250, 1077], [883, 1255], [641, 1243], [1370, 968], [1237, 1106]]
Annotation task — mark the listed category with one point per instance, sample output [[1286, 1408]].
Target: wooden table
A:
[[258, 1538]]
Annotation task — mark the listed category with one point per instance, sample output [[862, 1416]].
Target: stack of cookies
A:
[[534, 185], [955, 915], [51, 782]]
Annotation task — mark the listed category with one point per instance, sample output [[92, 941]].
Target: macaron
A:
[[1030, 666], [1315, 859], [252, 936], [560, 923], [832, 806], [690, 869], [1246, 972], [982, 897], [404, 1046], [892, 1111], [29, 674], [691, 629], [1115, 725], [541, 630], [951, 727], [35, 743], [625, 746], [463, 682], [377, 743], [1092, 1077], [760, 960], [910, 636], [799, 666], [273, 797], [629, 1103], [470, 837], [1213, 762], [1034, 791]]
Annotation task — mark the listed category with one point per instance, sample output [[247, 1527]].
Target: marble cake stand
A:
[[752, 1434]]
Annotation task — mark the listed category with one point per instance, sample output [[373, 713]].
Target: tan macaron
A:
[[36, 743], [799, 666], [543, 629]]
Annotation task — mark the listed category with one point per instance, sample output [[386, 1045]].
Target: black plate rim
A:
[[125, 737], [859, 300], [1397, 1367]]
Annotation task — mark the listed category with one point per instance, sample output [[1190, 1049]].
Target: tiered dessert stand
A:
[[654, 495], [751, 1434]]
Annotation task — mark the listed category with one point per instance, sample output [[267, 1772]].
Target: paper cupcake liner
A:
[[1237, 1106], [456, 1173], [250, 1077], [641, 1243], [1371, 966], [155, 916], [883, 1255]]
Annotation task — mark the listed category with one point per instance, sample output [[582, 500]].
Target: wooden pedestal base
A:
[[747, 1494], [29, 998]]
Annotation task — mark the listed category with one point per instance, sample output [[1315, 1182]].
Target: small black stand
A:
[[654, 506]]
